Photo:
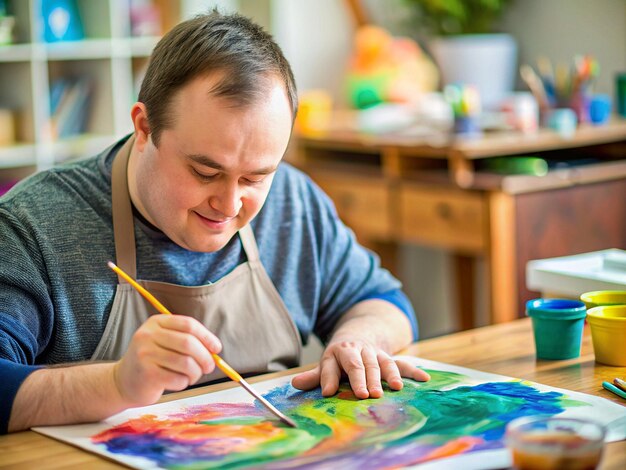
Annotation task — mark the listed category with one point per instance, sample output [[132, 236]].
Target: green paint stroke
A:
[[403, 426]]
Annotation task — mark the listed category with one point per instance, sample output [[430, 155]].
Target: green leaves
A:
[[447, 17]]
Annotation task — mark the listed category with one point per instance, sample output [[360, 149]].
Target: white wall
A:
[[560, 29], [190, 8], [316, 38]]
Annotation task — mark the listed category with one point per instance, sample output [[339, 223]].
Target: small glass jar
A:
[[553, 443]]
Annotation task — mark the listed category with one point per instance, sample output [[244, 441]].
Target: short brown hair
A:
[[233, 44]]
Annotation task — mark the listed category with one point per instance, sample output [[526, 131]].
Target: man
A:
[[197, 205]]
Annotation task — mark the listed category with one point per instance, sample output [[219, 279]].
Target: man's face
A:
[[213, 169]]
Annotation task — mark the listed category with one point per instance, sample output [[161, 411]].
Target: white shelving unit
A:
[[109, 57]]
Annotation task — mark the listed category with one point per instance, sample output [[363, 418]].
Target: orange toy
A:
[[387, 69]]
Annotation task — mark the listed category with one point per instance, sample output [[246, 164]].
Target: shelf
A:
[[140, 46], [82, 146], [437, 144], [108, 62], [563, 178], [18, 156], [80, 50], [510, 143], [101, 48], [16, 53]]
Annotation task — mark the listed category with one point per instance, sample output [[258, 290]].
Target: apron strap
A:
[[123, 226], [249, 243]]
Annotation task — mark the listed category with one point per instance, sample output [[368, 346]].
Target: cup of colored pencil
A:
[[464, 101], [563, 86]]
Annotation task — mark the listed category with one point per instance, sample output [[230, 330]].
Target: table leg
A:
[[464, 272], [501, 258]]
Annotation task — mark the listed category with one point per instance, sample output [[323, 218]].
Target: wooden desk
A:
[[429, 190], [502, 349]]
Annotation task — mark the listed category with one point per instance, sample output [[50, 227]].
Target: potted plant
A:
[[461, 36]]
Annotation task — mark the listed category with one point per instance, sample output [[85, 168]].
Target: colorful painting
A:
[[460, 414]]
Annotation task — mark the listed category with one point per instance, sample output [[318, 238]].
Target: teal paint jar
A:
[[557, 326]]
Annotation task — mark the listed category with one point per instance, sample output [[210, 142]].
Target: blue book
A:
[[57, 92], [61, 21]]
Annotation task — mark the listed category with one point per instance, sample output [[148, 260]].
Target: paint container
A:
[[314, 112], [599, 109], [620, 93], [608, 334], [557, 326], [522, 112], [604, 297], [550, 443], [468, 126], [563, 121]]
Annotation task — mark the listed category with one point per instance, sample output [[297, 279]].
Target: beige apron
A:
[[243, 308]]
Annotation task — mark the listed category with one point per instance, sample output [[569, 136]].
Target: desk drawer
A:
[[443, 217], [361, 202]]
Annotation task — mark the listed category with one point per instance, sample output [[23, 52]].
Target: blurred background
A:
[[464, 118]]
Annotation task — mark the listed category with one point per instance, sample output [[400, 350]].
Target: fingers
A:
[[168, 352], [389, 371], [327, 375], [365, 367], [171, 380], [409, 371], [372, 373], [191, 326], [359, 362], [184, 345], [307, 380], [186, 339], [180, 364], [330, 375], [348, 356]]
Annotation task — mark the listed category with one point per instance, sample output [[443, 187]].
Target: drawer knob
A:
[[443, 210]]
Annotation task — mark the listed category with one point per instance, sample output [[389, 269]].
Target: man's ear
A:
[[139, 116]]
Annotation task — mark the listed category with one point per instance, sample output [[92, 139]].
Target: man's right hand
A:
[[168, 352]]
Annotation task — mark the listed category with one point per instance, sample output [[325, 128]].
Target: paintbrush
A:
[[219, 362], [535, 84]]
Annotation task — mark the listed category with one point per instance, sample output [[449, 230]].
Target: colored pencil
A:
[[612, 388], [620, 383], [219, 362]]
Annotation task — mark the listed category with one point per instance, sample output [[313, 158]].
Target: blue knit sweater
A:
[[56, 290]]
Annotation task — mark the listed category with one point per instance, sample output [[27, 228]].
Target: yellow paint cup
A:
[[604, 297], [314, 112], [608, 333]]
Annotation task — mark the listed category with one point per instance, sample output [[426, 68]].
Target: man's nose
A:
[[228, 200]]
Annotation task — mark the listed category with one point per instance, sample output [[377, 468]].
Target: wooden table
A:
[[502, 349], [430, 190]]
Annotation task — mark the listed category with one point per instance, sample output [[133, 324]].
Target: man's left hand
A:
[[365, 366]]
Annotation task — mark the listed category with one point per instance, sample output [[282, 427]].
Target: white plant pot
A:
[[488, 61]]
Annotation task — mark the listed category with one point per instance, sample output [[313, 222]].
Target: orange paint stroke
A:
[[344, 433], [455, 447], [232, 437]]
